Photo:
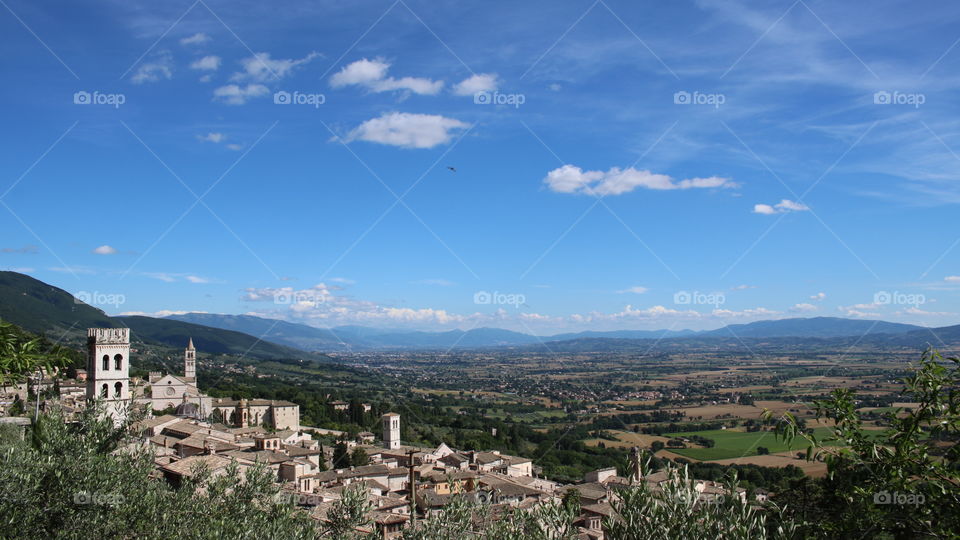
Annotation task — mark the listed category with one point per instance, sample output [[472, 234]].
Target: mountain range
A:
[[43, 308]]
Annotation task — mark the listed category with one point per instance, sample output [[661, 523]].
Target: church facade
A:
[[178, 392]]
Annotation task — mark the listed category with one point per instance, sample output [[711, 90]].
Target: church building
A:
[[178, 392]]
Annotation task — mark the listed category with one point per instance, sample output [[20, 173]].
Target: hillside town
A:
[[403, 482]]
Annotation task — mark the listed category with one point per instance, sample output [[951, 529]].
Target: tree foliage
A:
[[901, 482], [88, 479]]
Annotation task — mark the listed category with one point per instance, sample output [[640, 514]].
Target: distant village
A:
[[403, 482]]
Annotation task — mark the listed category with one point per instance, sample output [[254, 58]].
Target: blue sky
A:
[[614, 164]]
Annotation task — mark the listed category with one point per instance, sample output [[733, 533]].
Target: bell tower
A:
[[391, 431], [190, 362], [108, 368]]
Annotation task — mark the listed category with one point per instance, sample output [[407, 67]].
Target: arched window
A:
[[104, 390], [106, 362], [118, 388], [118, 361]]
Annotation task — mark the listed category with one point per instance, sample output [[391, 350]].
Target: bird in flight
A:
[[451, 168]]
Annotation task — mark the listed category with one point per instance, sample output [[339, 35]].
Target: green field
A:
[[735, 444]]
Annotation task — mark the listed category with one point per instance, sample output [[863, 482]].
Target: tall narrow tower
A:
[[190, 362], [391, 431], [108, 368]]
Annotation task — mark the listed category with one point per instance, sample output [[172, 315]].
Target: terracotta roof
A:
[[185, 466]]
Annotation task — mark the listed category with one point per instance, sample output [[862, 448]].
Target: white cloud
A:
[[921, 313], [161, 276], [195, 39], [235, 147], [23, 250], [785, 205], [213, 137], [105, 250], [207, 63], [372, 74], [260, 67], [345, 281], [160, 68], [803, 308], [572, 179], [233, 94], [742, 287], [481, 82], [819, 296], [860, 310], [407, 130], [176, 277], [952, 279], [161, 313], [636, 290]]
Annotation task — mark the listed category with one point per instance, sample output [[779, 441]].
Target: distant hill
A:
[[365, 338], [310, 338], [623, 334], [294, 335], [818, 327], [44, 309]]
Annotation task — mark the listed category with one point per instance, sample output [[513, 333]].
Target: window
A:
[[103, 391], [106, 362], [118, 387], [118, 361]]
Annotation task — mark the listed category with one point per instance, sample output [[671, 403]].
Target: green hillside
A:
[[44, 309]]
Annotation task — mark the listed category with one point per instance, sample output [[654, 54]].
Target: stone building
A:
[[178, 392], [108, 368], [277, 414]]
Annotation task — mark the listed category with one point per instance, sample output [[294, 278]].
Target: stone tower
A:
[[391, 431], [190, 362], [108, 368]]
